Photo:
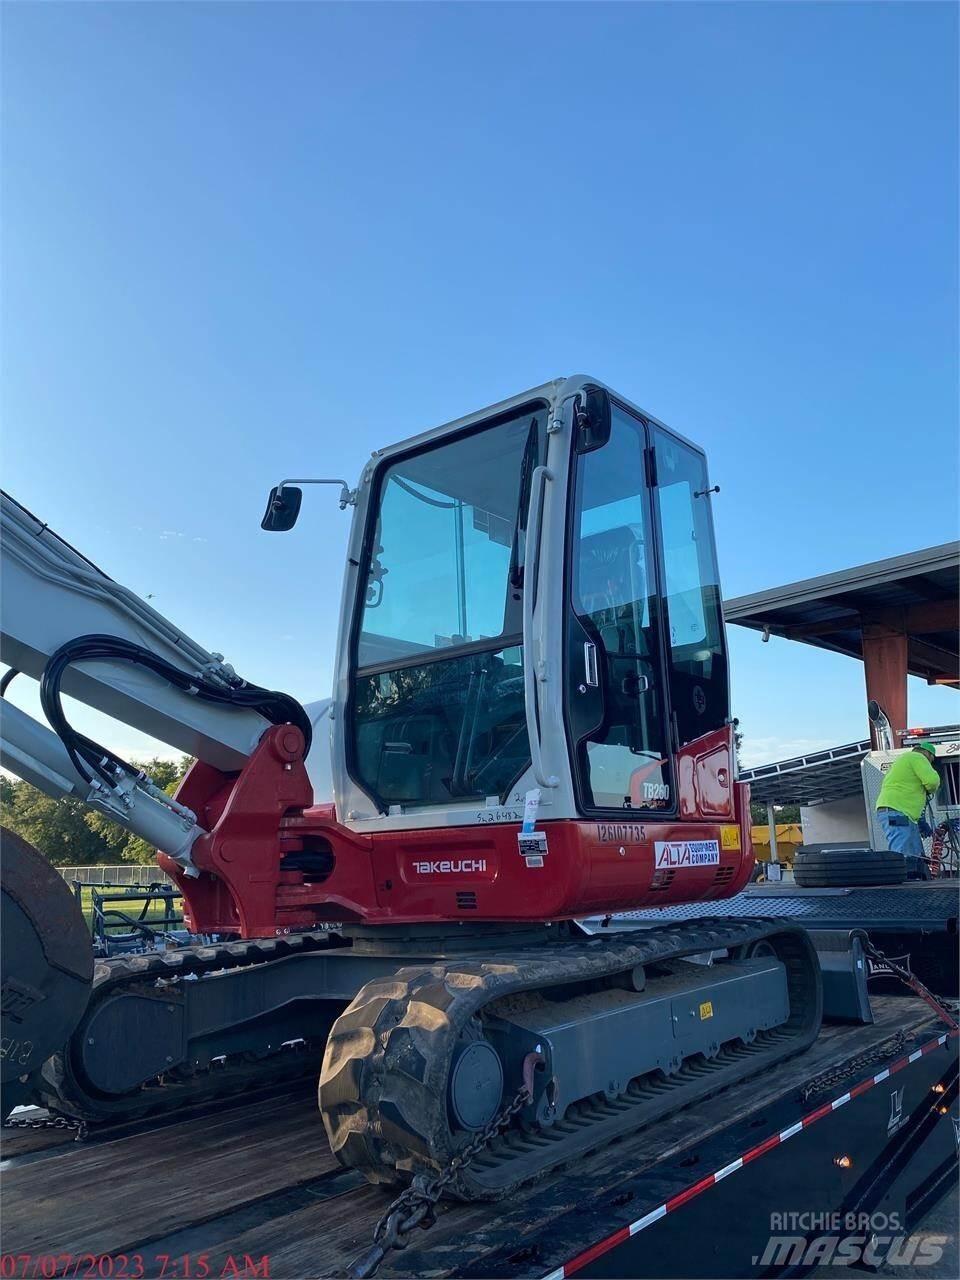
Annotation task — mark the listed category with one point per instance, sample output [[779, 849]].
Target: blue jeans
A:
[[903, 836]]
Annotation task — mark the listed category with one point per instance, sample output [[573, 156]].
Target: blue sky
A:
[[243, 242]]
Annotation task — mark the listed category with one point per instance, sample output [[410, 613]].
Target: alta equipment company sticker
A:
[[674, 854]]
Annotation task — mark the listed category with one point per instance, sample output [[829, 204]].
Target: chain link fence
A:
[[127, 873]]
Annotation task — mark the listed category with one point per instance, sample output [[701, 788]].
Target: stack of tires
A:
[[841, 866]]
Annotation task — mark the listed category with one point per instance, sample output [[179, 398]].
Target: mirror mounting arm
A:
[[348, 496], [283, 504]]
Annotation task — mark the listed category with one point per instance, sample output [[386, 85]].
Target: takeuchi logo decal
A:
[[450, 866]]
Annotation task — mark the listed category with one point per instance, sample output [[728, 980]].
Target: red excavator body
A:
[[460, 873]]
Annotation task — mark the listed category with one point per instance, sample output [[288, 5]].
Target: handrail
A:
[[531, 559]]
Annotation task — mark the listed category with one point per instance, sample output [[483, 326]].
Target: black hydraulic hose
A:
[[89, 758], [5, 682]]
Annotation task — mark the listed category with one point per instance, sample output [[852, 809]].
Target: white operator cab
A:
[[515, 580]]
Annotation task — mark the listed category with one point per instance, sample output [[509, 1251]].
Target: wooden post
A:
[[885, 671]]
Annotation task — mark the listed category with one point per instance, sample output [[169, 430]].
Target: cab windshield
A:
[[438, 711]]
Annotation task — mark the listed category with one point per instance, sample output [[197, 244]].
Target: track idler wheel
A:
[[46, 965]]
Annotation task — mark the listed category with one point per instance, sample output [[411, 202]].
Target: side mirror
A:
[[283, 507], [593, 419]]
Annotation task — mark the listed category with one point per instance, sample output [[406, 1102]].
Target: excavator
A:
[[530, 730]]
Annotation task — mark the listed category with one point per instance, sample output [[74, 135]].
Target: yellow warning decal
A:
[[730, 837], [706, 1010]]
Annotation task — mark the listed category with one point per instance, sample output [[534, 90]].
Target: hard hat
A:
[[927, 746]]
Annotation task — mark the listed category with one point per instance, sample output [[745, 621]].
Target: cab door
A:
[[696, 656], [615, 685]]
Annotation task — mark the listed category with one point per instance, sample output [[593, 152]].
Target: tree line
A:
[[69, 833], [782, 813]]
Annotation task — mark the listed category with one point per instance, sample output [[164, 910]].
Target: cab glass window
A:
[[694, 609], [615, 702], [438, 711], [447, 543]]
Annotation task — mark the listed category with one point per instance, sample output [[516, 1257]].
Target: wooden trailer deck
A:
[[219, 1191]]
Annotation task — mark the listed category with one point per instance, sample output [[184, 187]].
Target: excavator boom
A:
[[52, 594], [65, 623]]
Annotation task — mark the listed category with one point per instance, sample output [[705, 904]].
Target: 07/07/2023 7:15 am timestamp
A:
[[133, 1266]]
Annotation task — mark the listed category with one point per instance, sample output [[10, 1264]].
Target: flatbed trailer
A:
[[918, 920], [863, 1123]]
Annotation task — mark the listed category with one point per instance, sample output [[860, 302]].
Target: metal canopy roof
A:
[[809, 779], [917, 593]]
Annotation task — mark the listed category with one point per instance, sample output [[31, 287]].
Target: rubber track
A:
[[60, 1088], [383, 1087]]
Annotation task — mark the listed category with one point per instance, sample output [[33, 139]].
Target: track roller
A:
[[418, 1063]]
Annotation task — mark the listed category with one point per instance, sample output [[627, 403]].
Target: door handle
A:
[[590, 674], [634, 684]]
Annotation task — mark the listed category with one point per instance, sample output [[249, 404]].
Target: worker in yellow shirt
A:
[[902, 799]]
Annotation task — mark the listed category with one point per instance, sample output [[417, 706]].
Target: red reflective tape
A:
[[767, 1145], [814, 1116], [862, 1087], [676, 1201], [596, 1251]]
